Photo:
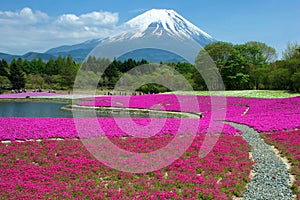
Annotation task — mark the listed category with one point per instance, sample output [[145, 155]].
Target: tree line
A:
[[252, 65], [56, 74]]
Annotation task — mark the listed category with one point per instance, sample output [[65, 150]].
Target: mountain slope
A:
[[28, 56], [35, 55], [160, 29], [153, 55], [90, 44], [8, 57]]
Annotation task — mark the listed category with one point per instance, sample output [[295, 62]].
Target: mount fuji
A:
[[160, 22], [157, 35]]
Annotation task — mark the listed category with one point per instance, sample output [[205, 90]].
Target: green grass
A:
[[243, 93], [234, 93]]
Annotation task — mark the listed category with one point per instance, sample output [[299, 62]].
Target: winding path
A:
[[272, 179]]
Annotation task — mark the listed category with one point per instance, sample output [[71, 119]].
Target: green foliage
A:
[[55, 74], [115, 70], [35, 66], [35, 81], [4, 82], [296, 81], [51, 67], [241, 63], [208, 72], [284, 74], [152, 88], [68, 70], [219, 52], [242, 67], [279, 79], [3, 68], [260, 78], [292, 51], [16, 75], [248, 66], [269, 53]]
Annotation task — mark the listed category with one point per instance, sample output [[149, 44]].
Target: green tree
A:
[[3, 68], [240, 67], [292, 66], [269, 53], [219, 52], [295, 79], [292, 51], [185, 69], [127, 65], [51, 67], [279, 79], [260, 78], [207, 72], [27, 67], [68, 70], [19, 62], [16, 76], [239, 64], [112, 74], [35, 81], [4, 83]]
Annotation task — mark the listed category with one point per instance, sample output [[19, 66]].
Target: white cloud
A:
[[22, 17], [28, 30], [68, 19], [92, 19], [100, 18]]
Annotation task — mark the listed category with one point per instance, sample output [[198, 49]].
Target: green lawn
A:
[[243, 93]]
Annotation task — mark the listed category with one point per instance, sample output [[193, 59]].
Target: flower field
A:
[[261, 114], [45, 128], [65, 169]]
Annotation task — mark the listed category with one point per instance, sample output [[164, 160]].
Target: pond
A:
[[53, 110], [34, 110]]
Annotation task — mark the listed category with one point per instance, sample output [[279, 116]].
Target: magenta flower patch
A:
[[43, 128], [65, 169], [261, 114]]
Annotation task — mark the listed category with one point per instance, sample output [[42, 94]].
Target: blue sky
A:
[[37, 25]]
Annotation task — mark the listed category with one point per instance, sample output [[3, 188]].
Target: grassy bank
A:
[[51, 100], [243, 93]]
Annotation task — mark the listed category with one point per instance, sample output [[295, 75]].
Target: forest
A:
[[253, 65]]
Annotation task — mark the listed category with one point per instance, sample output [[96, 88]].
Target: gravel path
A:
[[272, 178]]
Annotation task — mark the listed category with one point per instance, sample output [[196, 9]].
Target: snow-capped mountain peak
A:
[[156, 29], [159, 20]]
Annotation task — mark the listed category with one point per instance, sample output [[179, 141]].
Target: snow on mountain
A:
[[156, 29], [161, 21], [169, 20]]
